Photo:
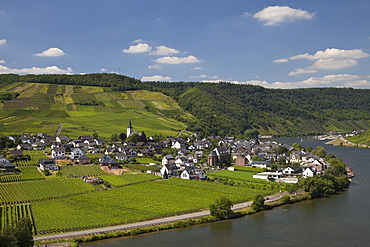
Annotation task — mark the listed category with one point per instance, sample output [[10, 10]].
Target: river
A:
[[341, 220]]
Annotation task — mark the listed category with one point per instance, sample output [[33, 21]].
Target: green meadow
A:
[[82, 110]]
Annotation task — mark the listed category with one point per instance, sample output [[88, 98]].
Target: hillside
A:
[[233, 109], [105, 102], [81, 110]]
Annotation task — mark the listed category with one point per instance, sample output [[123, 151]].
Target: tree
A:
[[320, 151], [297, 146], [114, 138], [17, 234], [10, 157], [95, 135], [221, 209], [258, 203], [251, 134], [122, 136], [257, 158]]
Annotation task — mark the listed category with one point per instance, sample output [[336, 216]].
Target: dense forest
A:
[[230, 109]]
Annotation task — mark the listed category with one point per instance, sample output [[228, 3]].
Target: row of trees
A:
[[17, 234]]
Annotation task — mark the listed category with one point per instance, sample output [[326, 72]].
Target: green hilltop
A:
[[82, 104]]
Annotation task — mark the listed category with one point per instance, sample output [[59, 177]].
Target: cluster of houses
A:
[[187, 161]]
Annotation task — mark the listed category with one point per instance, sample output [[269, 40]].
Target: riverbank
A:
[[341, 141], [182, 221]]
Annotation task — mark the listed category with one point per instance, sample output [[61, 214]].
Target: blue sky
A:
[[275, 44]]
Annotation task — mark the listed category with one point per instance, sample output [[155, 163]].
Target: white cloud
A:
[[154, 66], [51, 52], [336, 80], [2, 61], [2, 41], [283, 60], [164, 51], [302, 71], [332, 63], [328, 80], [35, 70], [177, 60], [329, 59], [197, 68], [251, 82], [138, 41], [333, 53], [103, 70], [359, 83], [156, 78], [139, 48], [275, 15]]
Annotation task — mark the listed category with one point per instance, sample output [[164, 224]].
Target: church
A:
[[130, 130]]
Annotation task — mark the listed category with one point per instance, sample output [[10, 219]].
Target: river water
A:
[[341, 220]]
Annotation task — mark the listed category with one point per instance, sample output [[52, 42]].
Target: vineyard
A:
[[82, 170], [25, 174], [11, 213], [11, 193], [35, 155], [122, 180], [132, 203]]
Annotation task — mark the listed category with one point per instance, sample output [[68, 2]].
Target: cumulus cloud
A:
[[35, 70], [329, 59], [154, 66], [2, 41], [359, 83], [332, 63], [51, 52], [177, 60], [164, 51], [156, 78], [333, 53], [138, 41], [283, 60], [139, 48], [197, 68], [302, 71], [103, 70], [2, 61], [275, 15], [341, 80], [335, 80]]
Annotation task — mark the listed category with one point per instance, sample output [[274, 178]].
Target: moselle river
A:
[[341, 220]]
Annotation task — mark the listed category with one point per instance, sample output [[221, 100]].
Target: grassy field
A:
[[81, 110]]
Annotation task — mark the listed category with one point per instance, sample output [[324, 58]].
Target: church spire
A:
[[129, 128]]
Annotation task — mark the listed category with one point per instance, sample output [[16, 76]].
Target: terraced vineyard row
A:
[[11, 213], [35, 155], [82, 170], [122, 180], [21, 192], [26, 174]]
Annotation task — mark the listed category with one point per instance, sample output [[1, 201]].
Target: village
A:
[[187, 158]]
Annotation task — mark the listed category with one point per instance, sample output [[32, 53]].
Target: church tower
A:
[[129, 128]]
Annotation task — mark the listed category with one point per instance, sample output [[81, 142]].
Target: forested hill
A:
[[230, 109], [227, 108]]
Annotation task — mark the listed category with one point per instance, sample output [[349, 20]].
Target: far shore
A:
[[341, 141]]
